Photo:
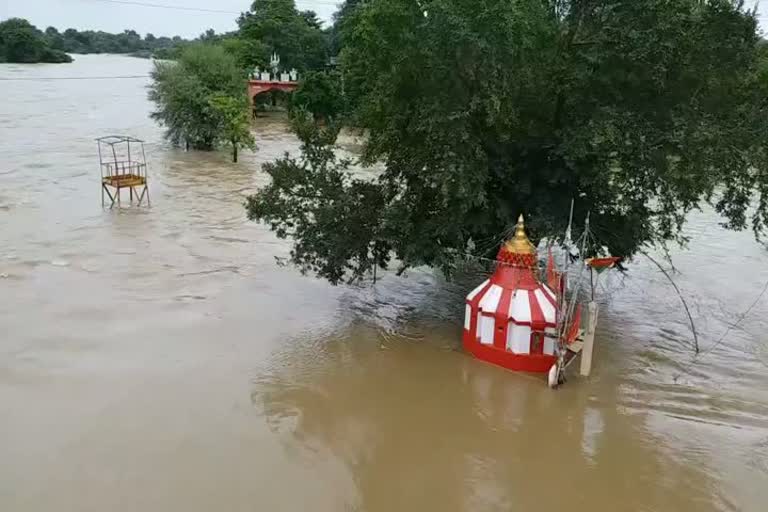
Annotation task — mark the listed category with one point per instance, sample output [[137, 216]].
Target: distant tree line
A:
[[90, 41], [22, 42]]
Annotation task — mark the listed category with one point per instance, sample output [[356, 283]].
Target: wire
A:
[[36, 79], [164, 6], [731, 326], [306, 3]]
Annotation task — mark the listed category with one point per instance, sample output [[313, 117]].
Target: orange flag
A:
[[553, 276], [573, 329]]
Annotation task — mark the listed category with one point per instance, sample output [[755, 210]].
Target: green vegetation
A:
[[89, 41], [233, 120], [190, 95], [639, 111], [201, 98], [22, 42], [325, 243], [340, 18], [276, 26], [319, 93]]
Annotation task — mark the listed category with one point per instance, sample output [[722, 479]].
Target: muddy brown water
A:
[[159, 359]]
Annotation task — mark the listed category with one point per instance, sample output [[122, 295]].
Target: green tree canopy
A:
[[340, 18], [182, 92], [319, 93], [22, 42], [333, 249], [639, 111], [276, 26], [234, 121], [90, 41]]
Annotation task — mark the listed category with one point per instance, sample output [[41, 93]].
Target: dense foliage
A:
[[323, 244], [340, 18], [319, 93], [640, 111], [22, 42], [276, 26], [188, 96], [233, 119]]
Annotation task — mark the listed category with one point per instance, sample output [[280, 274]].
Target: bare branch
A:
[[682, 299]]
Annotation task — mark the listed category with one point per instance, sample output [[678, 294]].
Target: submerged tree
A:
[[307, 199], [640, 111], [234, 121], [183, 90]]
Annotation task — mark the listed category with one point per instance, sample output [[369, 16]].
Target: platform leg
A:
[[141, 197], [119, 205], [131, 195], [589, 339], [105, 189]]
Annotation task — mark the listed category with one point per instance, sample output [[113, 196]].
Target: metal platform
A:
[[122, 169]]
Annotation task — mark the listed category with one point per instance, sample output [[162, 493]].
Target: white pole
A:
[[589, 339]]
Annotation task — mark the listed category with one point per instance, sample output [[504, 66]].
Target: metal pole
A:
[[589, 339], [114, 156], [101, 171], [101, 162], [144, 158]]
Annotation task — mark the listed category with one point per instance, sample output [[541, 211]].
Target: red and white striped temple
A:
[[511, 319]]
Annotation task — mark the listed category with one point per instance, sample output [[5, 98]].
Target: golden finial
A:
[[519, 244]]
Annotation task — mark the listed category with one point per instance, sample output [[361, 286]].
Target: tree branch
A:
[[682, 299]]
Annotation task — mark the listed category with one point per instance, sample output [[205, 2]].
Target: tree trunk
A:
[[234, 151]]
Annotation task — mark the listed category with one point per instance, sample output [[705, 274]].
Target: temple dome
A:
[[511, 318]]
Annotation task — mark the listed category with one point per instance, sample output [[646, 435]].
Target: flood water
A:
[[160, 360]]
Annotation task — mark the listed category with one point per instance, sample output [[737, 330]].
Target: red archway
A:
[[256, 87]]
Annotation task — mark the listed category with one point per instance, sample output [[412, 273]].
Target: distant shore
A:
[[23, 43]]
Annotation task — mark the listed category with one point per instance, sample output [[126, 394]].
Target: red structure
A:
[[511, 319], [256, 87]]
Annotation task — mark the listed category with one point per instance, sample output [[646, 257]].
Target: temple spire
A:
[[520, 244]]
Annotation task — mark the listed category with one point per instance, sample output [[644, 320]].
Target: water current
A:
[[158, 359]]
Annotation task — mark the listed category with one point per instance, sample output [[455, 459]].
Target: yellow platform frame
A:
[[126, 171], [129, 181]]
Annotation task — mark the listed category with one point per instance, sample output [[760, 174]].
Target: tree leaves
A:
[[22, 42], [332, 217], [233, 121], [639, 111], [319, 92], [201, 98], [276, 26]]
